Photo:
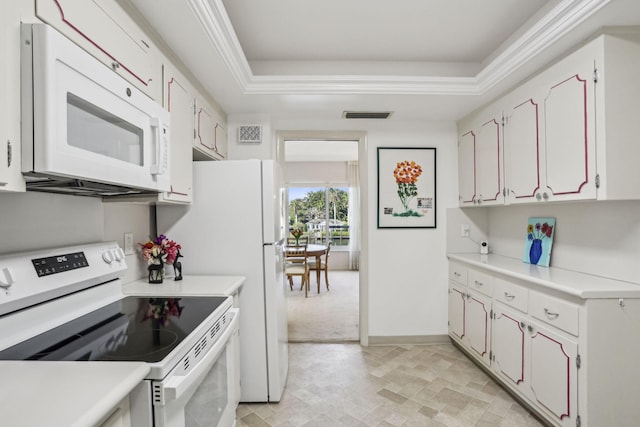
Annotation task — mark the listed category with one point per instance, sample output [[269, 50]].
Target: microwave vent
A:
[[250, 134]]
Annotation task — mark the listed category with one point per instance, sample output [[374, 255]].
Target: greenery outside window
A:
[[323, 211]]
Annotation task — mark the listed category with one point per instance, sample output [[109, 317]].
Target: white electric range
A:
[[66, 304]]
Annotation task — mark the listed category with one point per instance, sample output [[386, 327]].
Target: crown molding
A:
[[560, 20]]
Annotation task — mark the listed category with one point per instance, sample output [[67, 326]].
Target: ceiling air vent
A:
[[250, 134], [366, 114]]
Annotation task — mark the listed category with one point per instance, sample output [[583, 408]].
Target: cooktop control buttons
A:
[[6, 278], [107, 256]]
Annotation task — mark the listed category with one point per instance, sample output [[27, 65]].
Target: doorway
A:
[[324, 196]]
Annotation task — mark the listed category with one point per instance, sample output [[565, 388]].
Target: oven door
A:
[[84, 121], [205, 394]]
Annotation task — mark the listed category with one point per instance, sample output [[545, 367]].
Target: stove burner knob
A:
[[118, 254], [6, 278], [107, 257]]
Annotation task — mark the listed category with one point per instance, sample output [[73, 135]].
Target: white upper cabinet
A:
[[10, 168], [104, 29], [179, 101], [480, 159], [211, 135], [568, 132]]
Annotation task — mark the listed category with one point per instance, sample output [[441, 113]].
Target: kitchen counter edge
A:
[[574, 283]]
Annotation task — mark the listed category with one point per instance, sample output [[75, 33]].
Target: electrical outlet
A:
[[128, 243], [464, 230]]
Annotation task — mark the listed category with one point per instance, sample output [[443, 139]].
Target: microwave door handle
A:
[[175, 387], [159, 166]]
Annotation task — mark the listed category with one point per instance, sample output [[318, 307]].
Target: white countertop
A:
[[188, 286], [573, 283], [64, 394]]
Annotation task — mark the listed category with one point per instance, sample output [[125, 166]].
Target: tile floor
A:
[[414, 385]]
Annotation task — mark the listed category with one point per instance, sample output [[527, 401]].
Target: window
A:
[[323, 211]]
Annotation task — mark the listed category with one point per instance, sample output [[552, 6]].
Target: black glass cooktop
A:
[[132, 329]]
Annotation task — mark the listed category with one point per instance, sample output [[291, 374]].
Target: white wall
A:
[[599, 238], [407, 268], [30, 221]]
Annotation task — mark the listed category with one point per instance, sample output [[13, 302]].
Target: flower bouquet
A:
[[159, 251], [297, 230]]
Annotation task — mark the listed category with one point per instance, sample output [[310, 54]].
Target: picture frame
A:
[[406, 187]]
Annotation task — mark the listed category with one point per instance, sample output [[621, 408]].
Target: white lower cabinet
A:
[[470, 320], [566, 343], [537, 363]]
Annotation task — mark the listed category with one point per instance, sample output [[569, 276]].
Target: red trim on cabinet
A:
[[169, 83], [521, 346], [486, 325], [568, 414], [586, 142], [535, 105], [178, 192], [77, 30], [474, 166], [199, 136], [495, 197]]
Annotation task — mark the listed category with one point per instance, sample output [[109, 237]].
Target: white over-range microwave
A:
[[85, 129]]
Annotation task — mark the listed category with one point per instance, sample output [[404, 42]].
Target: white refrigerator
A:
[[235, 226]]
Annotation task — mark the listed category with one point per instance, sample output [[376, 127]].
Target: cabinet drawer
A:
[[458, 273], [555, 312], [510, 294], [481, 282]]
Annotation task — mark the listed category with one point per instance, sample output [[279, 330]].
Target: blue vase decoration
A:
[[535, 252]]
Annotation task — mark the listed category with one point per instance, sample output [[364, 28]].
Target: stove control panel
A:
[[59, 263], [28, 278]]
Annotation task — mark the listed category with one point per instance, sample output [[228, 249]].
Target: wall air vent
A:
[[250, 134], [366, 114]]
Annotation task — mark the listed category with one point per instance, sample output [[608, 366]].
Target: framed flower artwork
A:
[[406, 187], [538, 242]]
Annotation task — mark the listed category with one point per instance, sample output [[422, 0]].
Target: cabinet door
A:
[[478, 325], [104, 29], [207, 121], [467, 169], [11, 178], [508, 344], [487, 157], [179, 101], [457, 298], [553, 374], [522, 152], [569, 131], [5, 30]]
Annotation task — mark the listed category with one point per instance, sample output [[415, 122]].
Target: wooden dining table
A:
[[312, 251]]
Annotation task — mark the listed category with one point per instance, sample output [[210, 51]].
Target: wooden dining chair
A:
[[323, 266], [296, 265]]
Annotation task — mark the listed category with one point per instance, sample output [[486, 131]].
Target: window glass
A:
[[322, 213]]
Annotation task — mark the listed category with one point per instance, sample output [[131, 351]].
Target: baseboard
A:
[[408, 339]]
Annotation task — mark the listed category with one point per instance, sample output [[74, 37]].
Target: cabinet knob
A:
[[478, 283], [530, 329], [545, 196], [538, 196], [508, 296]]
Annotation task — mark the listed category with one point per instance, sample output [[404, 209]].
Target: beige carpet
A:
[[330, 316]]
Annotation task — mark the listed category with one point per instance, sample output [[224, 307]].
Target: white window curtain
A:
[[354, 215]]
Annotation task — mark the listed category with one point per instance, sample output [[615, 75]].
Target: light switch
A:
[[464, 230], [128, 243]]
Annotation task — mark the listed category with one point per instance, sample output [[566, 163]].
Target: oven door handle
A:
[[175, 387]]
